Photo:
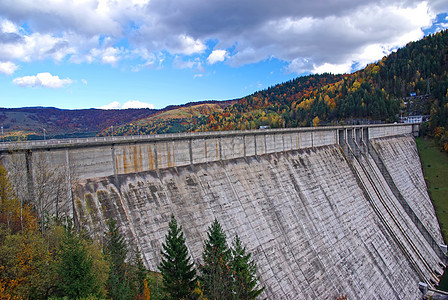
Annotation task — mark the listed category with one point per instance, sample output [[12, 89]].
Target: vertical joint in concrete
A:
[[265, 144], [255, 144], [244, 145], [312, 139], [191, 151], [156, 159], [283, 141], [69, 180], [69, 189], [29, 174], [112, 148], [220, 148]]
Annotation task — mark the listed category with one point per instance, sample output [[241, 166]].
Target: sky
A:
[[77, 54]]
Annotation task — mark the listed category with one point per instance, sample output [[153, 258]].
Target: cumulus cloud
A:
[[17, 45], [8, 67], [308, 35], [184, 44], [42, 80], [112, 105], [194, 64], [136, 104], [216, 56], [127, 105], [108, 55]]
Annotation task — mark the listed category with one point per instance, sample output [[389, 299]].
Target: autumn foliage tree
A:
[[24, 259]]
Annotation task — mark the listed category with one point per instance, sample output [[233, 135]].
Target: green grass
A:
[[435, 169]]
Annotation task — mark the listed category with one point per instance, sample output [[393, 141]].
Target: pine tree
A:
[[137, 275], [116, 251], [244, 273], [215, 274], [179, 277], [77, 279]]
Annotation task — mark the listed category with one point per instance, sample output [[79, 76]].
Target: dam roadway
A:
[[326, 211]]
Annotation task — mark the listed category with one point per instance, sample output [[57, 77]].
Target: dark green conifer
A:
[[245, 281], [116, 252], [179, 276], [137, 275], [77, 279], [215, 273]]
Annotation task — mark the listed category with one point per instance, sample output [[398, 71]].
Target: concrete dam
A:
[[325, 211]]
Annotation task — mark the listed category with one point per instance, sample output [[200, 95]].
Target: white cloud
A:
[[299, 66], [336, 43], [108, 55], [8, 67], [309, 35], [8, 26], [188, 64], [84, 81], [42, 80], [217, 56], [112, 105], [127, 105], [137, 104], [88, 17], [332, 68], [183, 44]]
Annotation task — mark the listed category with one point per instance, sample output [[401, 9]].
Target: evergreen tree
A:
[[244, 273], [77, 279], [137, 275], [215, 273], [179, 277], [116, 251]]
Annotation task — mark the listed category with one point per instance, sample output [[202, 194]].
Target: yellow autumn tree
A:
[[23, 258]]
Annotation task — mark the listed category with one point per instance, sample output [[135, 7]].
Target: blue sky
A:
[[154, 53]]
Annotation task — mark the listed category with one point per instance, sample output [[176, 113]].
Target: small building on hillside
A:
[[414, 119]]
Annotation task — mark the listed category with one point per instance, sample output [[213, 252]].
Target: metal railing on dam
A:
[[94, 141], [106, 156]]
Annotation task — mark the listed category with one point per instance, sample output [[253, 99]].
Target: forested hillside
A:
[[30, 122], [376, 93]]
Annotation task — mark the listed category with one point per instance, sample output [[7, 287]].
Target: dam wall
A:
[[300, 213], [312, 206]]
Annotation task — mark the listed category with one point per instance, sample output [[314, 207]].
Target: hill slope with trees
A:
[[378, 93]]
